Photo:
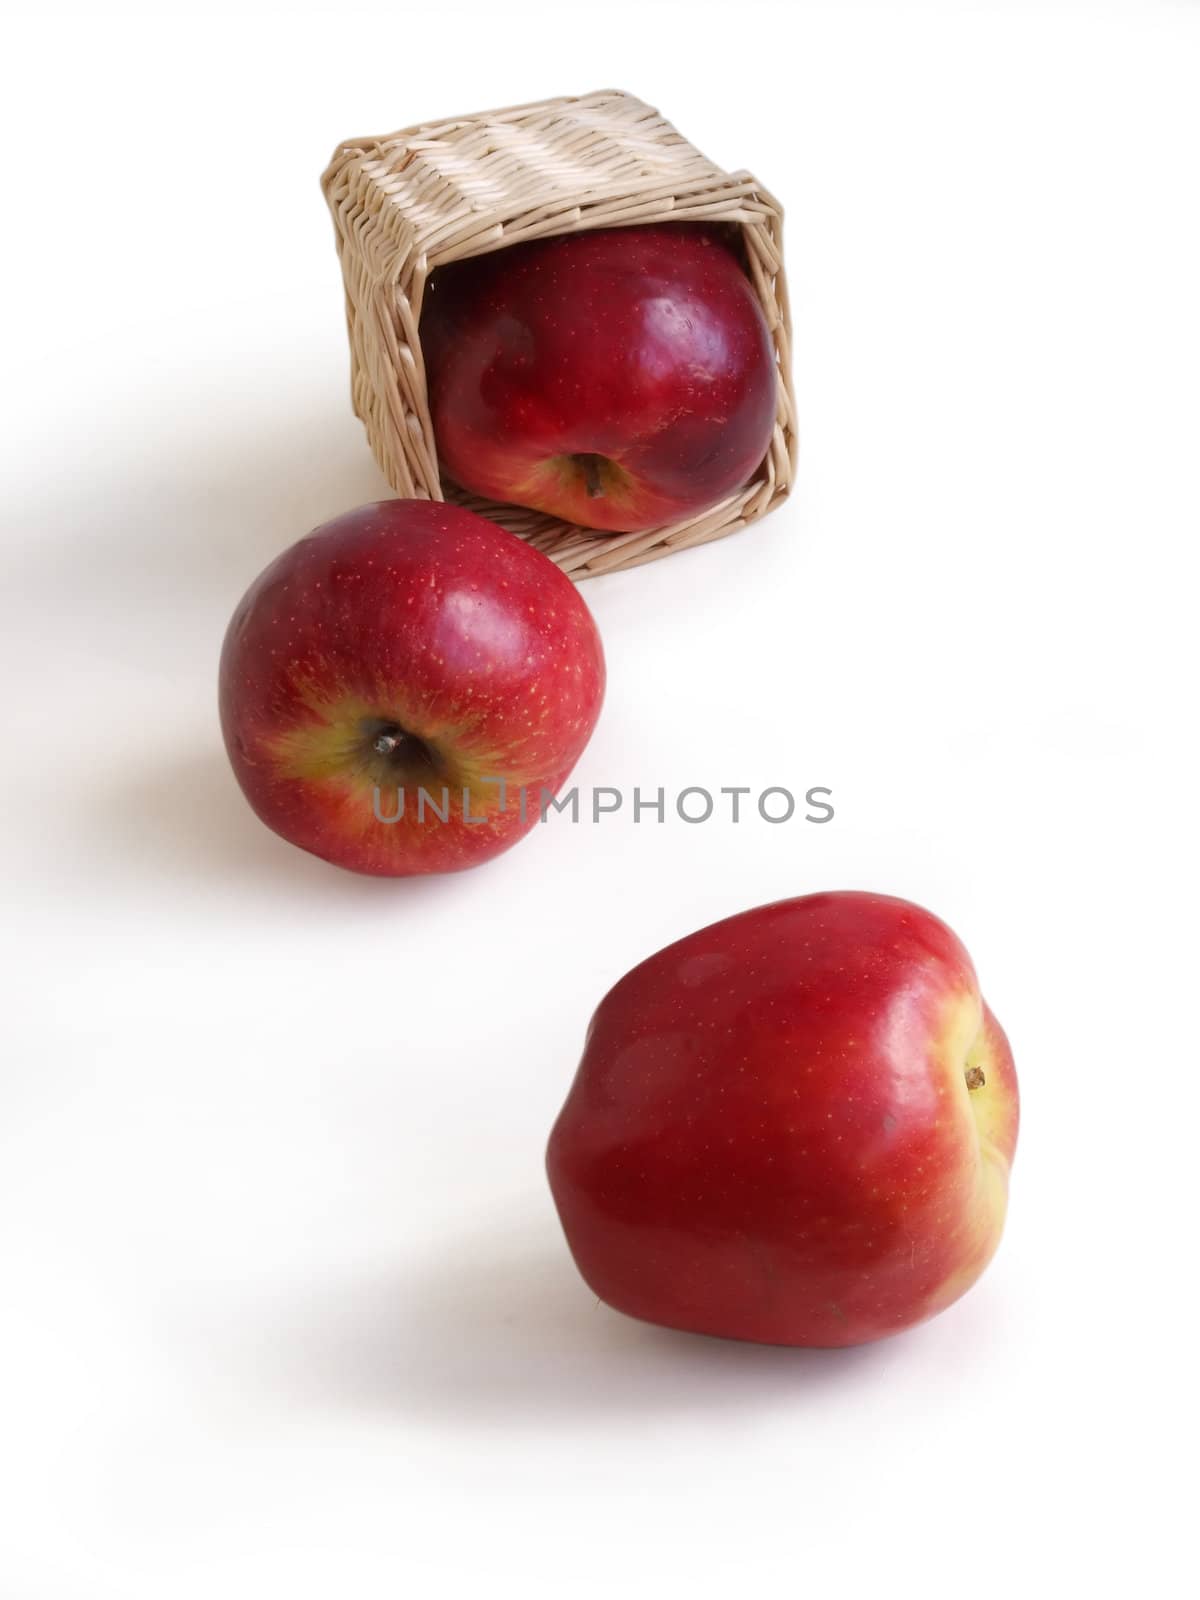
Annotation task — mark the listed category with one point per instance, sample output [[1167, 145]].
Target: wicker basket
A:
[[411, 201]]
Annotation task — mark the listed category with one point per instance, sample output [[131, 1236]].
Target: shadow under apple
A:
[[499, 1329], [143, 562], [189, 828]]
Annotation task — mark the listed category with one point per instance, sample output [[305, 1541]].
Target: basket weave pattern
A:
[[409, 202]]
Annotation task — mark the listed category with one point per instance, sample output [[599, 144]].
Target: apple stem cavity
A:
[[395, 743], [590, 464], [394, 752]]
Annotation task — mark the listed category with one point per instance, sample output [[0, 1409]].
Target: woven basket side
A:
[[458, 184], [559, 121]]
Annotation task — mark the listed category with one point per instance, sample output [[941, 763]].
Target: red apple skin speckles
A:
[[771, 1134], [645, 346], [420, 617]]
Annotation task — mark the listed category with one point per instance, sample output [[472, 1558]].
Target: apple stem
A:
[[388, 743], [594, 483], [975, 1078]]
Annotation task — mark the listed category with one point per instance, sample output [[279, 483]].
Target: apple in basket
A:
[[400, 689], [621, 379]]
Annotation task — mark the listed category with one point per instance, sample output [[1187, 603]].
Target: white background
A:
[[284, 1307]]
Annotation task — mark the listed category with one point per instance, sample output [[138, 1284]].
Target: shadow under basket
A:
[[409, 202]]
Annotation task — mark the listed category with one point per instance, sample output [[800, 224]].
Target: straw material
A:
[[409, 202]]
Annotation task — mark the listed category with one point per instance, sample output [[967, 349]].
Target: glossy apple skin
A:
[[771, 1137], [645, 346], [420, 617]]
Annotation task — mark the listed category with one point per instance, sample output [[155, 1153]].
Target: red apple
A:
[[408, 648], [621, 379], [794, 1126]]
